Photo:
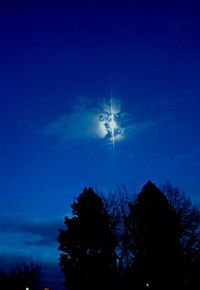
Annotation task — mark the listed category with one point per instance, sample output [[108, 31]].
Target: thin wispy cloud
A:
[[102, 120], [32, 237], [35, 231]]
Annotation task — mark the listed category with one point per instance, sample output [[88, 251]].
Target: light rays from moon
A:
[[110, 122], [103, 120]]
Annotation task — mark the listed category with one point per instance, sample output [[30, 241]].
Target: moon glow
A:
[[109, 123]]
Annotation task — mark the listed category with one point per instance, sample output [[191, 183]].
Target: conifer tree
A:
[[153, 239], [87, 244]]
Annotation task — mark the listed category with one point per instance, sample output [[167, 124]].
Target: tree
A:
[[154, 230], [23, 275], [190, 219], [153, 241], [87, 246], [116, 204], [189, 235]]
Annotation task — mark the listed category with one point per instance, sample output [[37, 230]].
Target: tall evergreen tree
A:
[[87, 244], [153, 239]]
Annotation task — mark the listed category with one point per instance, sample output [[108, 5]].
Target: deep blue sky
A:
[[59, 62]]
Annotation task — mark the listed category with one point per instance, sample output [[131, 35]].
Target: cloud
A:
[[139, 127], [27, 237], [80, 124], [90, 120], [34, 231]]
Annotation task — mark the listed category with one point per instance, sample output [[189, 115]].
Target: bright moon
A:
[[109, 123]]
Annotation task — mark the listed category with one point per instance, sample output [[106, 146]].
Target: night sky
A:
[[64, 68]]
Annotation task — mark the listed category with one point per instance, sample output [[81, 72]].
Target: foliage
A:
[[88, 244], [189, 216], [189, 235], [152, 241], [153, 237], [23, 275]]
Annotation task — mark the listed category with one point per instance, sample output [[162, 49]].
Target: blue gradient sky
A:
[[58, 63]]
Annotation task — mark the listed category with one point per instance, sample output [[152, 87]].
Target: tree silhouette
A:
[[189, 235], [116, 204], [87, 245], [154, 230], [23, 275], [152, 242]]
